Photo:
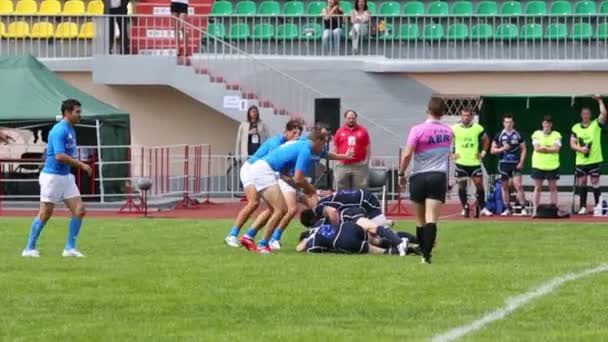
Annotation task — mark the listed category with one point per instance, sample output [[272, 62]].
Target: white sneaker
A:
[[30, 253], [506, 212], [485, 212], [232, 241], [72, 253], [402, 248], [275, 245], [583, 211], [524, 212]]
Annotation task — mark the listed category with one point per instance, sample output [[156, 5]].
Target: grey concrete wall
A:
[[388, 103]]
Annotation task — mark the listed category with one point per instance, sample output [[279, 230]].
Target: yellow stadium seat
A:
[[18, 30], [26, 7], [66, 31], [42, 30], [73, 7], [87, 31], [6, 7], [95, 7], [50, 7]]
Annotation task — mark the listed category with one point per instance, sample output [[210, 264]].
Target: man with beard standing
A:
[[352, 174]]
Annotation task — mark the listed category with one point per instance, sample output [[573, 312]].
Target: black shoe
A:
[[426, 260], [477, 211]]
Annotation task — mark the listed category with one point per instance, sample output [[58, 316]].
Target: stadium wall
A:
[[483, 83], [161, 115]]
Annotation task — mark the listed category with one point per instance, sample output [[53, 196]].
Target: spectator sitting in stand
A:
[[360, 18], [332, 30]]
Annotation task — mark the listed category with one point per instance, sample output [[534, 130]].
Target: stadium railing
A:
[[444, 37], [447, 37], [177, 172]]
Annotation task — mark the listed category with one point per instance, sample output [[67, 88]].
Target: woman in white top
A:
[[359, 17], [251, 134], [179, 9]]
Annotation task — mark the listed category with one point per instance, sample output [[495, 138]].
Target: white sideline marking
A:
[[514, 303]]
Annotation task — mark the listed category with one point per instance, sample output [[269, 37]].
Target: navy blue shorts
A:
[[351, 239]]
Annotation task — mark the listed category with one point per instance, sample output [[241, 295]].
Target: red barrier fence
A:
[[176, 172]]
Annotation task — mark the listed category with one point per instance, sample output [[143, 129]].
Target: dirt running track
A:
[[229, 210]]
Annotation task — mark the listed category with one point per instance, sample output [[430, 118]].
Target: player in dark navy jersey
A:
[[511, 149], [336, 204], [351, 238]]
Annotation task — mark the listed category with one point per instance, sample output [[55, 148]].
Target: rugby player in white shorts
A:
[[57, 184]]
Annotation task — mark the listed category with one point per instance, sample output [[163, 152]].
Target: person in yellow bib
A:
[[468, 136], [545, 160], [586, 141]]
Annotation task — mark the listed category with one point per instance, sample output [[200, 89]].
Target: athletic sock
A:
[[73, 231], [277, 234], [410, 237], [251, 233], [388, 235], [391, 251], [481, 197], [235, 231], [462, 195], [419, 237], [429, 233], [263, 243], [583, 196], [597, 192], [37, 226]]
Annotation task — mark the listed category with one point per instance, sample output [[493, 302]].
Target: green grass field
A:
[[162, 279]]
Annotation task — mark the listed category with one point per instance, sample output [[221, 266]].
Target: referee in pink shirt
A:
[[352, 174], [429, 145]]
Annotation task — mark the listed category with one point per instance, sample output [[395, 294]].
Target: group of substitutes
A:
[[471, 144]]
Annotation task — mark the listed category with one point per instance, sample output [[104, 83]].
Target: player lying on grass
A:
[[351, 238], [333, 206], [293, 129], [263, 175], [350, 214]]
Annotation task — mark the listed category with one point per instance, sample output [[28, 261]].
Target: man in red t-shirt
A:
[[352, 174]]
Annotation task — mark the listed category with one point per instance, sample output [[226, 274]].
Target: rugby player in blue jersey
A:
[[299, 156], [57, 184], [293, 129], [288, 189]]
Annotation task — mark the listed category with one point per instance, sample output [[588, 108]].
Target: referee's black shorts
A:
[[431, 185]]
